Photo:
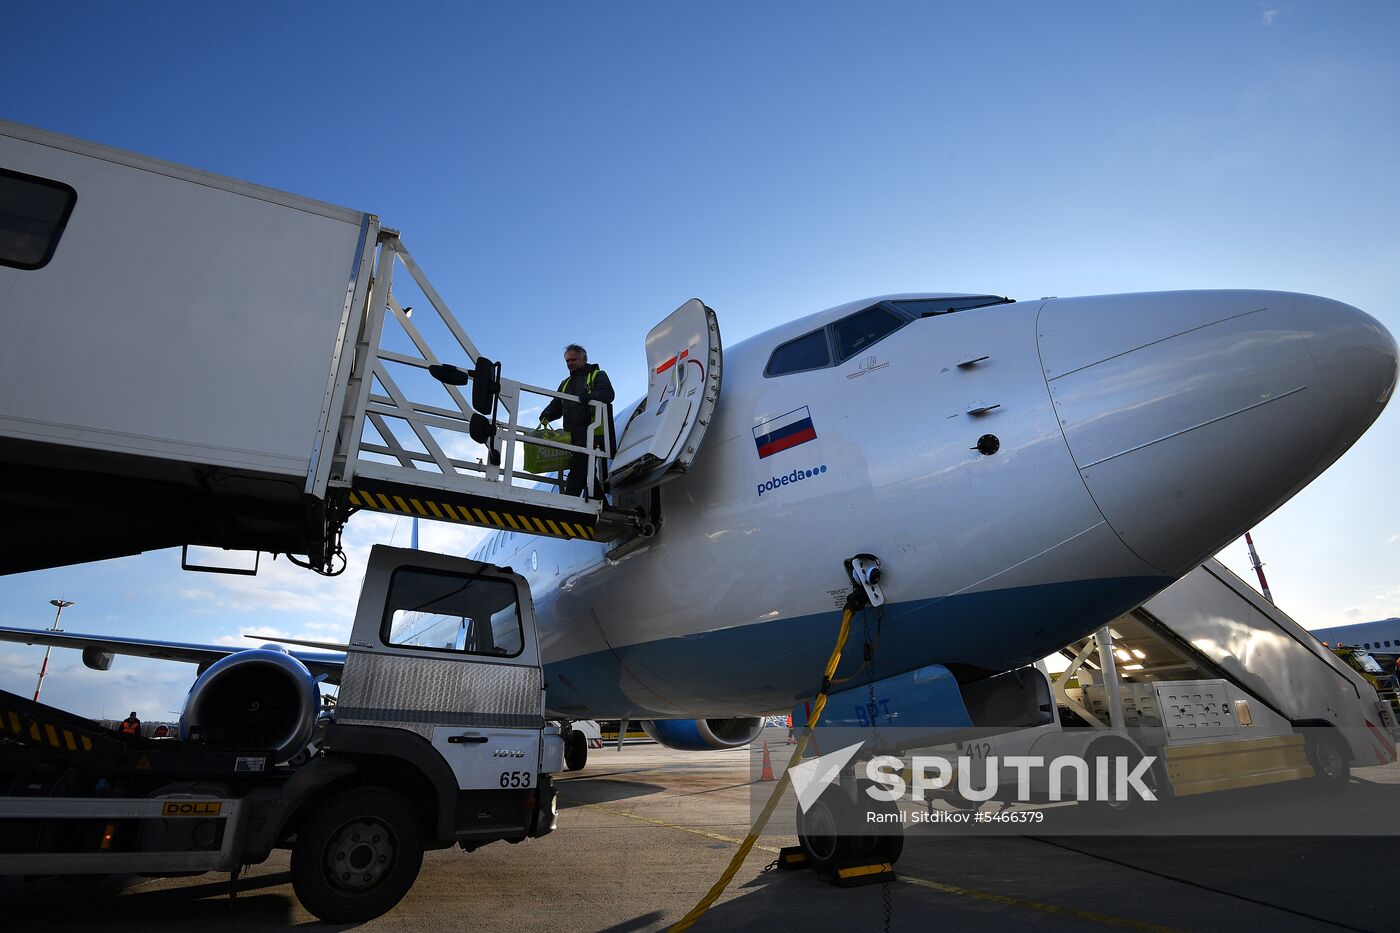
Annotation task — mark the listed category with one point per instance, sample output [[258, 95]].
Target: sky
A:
[[574, 171]]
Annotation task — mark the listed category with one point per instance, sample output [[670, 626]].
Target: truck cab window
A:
[[439, 611], [33, 213]]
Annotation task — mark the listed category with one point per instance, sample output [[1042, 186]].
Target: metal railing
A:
[[448, 457]]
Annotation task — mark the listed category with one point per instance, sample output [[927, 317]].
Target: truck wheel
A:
[[1328, 756], [576, 751], [357, 856]]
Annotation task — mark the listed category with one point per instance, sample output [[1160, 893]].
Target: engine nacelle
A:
[[261, 699], [700, 735]]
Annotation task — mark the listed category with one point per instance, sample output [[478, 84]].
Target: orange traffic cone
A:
[[767, 774]]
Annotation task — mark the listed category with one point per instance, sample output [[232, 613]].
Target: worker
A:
[[590, 384], [130, 725]]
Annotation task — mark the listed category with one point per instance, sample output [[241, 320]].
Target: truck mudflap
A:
[[268, 811]]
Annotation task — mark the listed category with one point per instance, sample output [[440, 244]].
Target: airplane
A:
[[1383, 636], [1024, 471]]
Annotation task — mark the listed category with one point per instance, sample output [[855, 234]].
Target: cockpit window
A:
[[863, 328], [810, 351], [925, 307], [856, 332]]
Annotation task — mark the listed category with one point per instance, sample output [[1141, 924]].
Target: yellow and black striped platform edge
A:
[[44, 733], [464, 510]]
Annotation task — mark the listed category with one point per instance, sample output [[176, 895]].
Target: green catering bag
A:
[[540, 459]]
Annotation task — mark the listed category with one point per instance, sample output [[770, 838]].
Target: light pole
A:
[[62, 604]]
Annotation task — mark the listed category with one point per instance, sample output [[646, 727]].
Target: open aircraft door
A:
[[684, 364]]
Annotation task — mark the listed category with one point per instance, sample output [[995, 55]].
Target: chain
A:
[[770, 866], [871, 706], [886, 900]]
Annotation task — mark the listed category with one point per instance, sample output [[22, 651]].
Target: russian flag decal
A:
[[790, 430]]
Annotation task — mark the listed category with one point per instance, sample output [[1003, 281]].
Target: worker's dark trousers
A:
[[578, 466]]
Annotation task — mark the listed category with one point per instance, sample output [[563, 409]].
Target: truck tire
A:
[[1328, 755], [357, 855], [576, 751]]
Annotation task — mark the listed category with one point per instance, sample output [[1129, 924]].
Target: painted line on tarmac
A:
[[732, 840], [1104, 919], [988, 896]]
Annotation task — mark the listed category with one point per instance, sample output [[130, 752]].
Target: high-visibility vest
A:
[[129, 727], [589, 380]]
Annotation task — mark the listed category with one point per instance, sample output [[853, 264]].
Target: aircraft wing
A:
[[319, 663]]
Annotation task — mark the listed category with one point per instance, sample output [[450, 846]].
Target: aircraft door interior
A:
[[684, 364]]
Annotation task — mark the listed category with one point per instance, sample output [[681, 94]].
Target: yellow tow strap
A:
[[713, 894]]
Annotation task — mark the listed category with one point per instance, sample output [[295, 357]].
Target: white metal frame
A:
[[1059, 683], [436, 469]]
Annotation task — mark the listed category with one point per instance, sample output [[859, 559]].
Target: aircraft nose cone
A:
[[1192, 415], [1355, 358]]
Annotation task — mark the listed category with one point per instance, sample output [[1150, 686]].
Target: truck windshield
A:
[[1365, 663]]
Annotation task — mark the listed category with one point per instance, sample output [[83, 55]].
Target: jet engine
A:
[[700, 735], [260, 699]]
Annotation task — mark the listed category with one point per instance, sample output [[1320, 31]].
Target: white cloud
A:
[[155, 689], [1392, 539], [1266, 15], [248, 636]]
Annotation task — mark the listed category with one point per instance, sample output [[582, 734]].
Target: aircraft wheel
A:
[[825, 830], [1328, 756], [575, 751], [886, 844], [357, 856]]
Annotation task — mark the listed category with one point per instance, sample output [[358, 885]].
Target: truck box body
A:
[[186, 332]]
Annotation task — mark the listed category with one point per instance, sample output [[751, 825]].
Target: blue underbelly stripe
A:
[[771, 666]]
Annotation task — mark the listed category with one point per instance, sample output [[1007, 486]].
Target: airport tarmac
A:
[[644, 832]]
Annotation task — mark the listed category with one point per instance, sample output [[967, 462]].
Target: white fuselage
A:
[[1136, 435]]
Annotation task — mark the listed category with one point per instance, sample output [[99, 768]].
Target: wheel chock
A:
[[791, 858], [855, 874], [845, 874]]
